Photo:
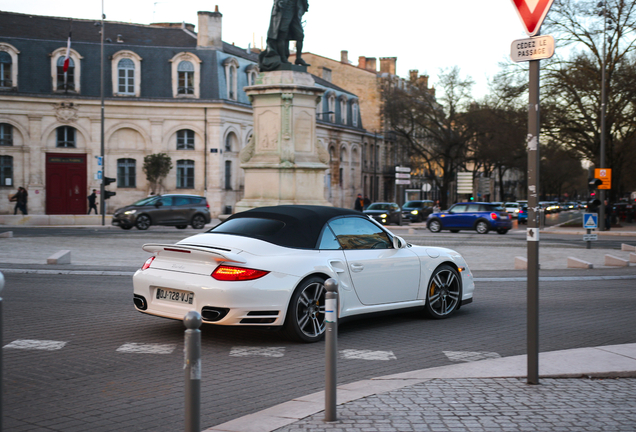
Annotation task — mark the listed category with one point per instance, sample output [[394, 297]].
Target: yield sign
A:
[[532, 13]]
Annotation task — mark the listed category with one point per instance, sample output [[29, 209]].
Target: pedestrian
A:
[[436, 207], [366, 202], [20, 198], [92, 205], [608, 215], [359, 204]]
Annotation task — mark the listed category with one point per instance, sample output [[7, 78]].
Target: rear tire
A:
[[482, 227], [198, 222], [305, 320], [502, 231], [125, 227], [182, 226]]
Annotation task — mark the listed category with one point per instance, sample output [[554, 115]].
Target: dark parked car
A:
[[417, 210], [171, 210], [481, 217], [385, 212]]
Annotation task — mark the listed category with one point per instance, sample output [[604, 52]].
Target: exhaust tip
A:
[[140, 302]]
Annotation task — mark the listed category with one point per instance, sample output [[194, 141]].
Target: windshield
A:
[[379, 206], [414, 204], [147, 201]]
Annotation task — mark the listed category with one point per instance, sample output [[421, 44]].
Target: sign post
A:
[[532, 14]]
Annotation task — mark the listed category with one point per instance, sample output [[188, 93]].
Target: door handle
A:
[[357, 267]]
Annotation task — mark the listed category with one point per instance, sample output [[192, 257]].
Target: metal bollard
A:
[[192, 367], [331, 348], [1, 286]]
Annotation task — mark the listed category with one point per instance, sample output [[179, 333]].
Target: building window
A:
[[66, 137], [73, 74], [5, 69], [126, 174], [231, 142], [126, 76], [69, 82], [252, 74], [6, 134], [343, 110], [354, 114], [332, 108], [185, 71], [228, 175], [185, 174], [185, 139], [6, 170], [231, 66]]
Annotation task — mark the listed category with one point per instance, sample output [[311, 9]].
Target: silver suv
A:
[[171, 210]]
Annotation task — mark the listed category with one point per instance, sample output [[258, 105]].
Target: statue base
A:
[[284, 163]]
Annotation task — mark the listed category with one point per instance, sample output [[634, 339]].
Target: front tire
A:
[[198, 221], [143, 222], [444, 292], [434, 226], [125, 227], [305, 320], [482, 227]]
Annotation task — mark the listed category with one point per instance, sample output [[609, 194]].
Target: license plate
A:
[[174, 296]]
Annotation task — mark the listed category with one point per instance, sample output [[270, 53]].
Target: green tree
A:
[[156, 167]]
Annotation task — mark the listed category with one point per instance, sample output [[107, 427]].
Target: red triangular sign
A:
[[532, 13]]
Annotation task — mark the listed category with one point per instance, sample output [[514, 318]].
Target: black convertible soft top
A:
[[295, 226]]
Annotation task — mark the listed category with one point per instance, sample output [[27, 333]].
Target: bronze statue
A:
[[285, 25]]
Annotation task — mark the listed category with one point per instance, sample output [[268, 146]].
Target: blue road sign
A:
[[590, 220]]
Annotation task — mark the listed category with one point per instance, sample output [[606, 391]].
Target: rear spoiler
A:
[[198, 252]]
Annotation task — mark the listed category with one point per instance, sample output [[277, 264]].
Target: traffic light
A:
[[107, 181], [594, 183], [593, 204]]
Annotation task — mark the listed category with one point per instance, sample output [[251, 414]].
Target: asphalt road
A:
[[78, 357]]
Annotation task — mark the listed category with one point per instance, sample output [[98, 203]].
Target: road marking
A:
[[470, 356], [352, 354], [257, 351], [140, 348], [31, 344]]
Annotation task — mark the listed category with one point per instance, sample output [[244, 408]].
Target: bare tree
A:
[[433, 129]]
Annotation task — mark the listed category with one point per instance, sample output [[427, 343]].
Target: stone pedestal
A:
[[283, 162]]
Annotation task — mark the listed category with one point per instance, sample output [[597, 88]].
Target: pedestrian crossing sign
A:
[[590, 220]]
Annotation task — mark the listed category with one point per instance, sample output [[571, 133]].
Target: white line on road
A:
[[470, 356], [352, 354], [257, 351], [31, 344], [140, 348]]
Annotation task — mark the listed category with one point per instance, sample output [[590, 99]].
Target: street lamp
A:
[[603, 13]]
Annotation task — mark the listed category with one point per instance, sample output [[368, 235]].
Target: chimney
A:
[[413, 75], [387, 65], [362, 62], [344, 57], [371, 64], [210, 30]]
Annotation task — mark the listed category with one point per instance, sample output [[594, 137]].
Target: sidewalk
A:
[[587, 389]]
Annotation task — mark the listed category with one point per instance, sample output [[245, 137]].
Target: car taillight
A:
[[229, 273], [148, 262], [493, 215]]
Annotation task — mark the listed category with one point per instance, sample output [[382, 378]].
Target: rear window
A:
[[258, 228]]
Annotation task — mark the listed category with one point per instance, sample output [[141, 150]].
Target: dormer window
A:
[[186, 78], [126, 69], [73, 73], [186, 75], [252, 74], [5, 70], [65, 82], [231, 77], [343, 110]]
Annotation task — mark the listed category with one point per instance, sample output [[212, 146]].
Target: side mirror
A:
[[398, 242], [159, 203]]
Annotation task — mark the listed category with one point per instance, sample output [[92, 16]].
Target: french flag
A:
[[68, 53]]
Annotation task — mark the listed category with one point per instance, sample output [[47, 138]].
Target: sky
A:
[[427, 35]]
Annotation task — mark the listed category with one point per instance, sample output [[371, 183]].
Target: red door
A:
[[66, 183]]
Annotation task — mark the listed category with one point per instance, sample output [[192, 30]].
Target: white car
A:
[[267, 267], [512, 208]]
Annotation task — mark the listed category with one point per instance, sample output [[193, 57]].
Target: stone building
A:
[[380, 152], [166, 89]]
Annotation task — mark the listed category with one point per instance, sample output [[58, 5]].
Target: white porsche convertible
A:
[[267, 267]]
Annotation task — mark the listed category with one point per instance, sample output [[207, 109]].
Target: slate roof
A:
[[54, 28]]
